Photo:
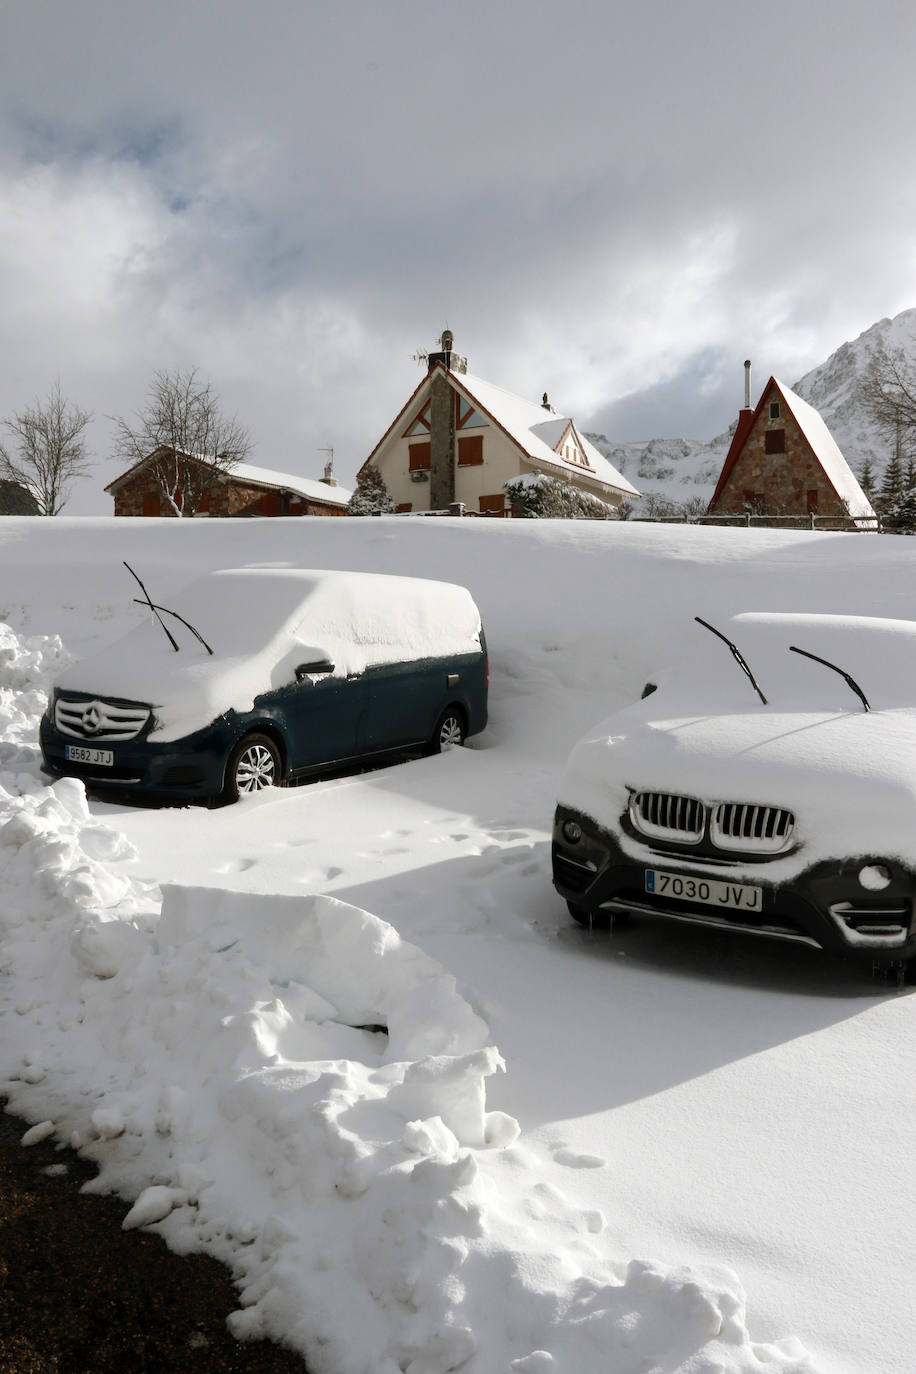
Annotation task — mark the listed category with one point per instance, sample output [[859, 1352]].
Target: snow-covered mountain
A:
[[686, 470]]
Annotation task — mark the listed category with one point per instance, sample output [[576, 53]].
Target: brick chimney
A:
[[453, 361]]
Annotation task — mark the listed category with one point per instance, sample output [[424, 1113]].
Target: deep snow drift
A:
[[281, 1028]]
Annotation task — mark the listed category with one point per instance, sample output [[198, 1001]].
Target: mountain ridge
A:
[[685, 471]]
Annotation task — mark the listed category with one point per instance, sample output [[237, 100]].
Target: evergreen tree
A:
[[904, 514], [551, 498], [892, 482], [867, 478], [370, 496]]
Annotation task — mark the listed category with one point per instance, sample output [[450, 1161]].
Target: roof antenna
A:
[[329, 465]]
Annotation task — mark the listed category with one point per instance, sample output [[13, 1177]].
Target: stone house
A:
[[244, 490], [15, 499], [783, 461], [459, 438]]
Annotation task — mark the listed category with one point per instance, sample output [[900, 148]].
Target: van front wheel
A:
[[450, 731], [253, 765]]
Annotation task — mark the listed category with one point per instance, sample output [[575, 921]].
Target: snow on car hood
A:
[[261, 623], [848, 775]]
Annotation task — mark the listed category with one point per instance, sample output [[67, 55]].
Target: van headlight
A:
[[874, 877]]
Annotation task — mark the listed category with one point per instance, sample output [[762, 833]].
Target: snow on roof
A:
[[303, 486], [827, 452], [309, 487], [537, 431]]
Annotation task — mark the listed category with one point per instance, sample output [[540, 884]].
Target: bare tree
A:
[[888, 394], [50, 450], [189, 440]]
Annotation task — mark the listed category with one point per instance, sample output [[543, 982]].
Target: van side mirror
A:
[[320, 665]]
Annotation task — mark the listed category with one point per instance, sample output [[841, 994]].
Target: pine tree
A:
[[905, 512], [370, 496], [891, 482], [867, 478]]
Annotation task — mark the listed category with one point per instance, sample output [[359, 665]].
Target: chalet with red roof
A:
[[783, 461], [461, 439]]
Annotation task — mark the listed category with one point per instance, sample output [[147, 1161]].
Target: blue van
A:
[[256, 676]]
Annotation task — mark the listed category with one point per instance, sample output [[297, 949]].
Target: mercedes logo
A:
[[92, 719]]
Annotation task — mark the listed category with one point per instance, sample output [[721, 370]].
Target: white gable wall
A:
[[503, 459]]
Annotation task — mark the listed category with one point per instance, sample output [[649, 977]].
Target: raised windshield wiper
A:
[[847, 677], [165, 629], [165, 611], [736, 654]]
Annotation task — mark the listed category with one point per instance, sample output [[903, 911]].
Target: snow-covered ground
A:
[[346, 1038]]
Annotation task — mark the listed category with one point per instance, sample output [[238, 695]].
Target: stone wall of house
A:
[[791, 482], [141, 496]]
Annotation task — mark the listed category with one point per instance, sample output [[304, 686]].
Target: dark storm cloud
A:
[[605, 201]]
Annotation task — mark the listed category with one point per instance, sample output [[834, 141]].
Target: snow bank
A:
[[28, 666], [289, 1085]]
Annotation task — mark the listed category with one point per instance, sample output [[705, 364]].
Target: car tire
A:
[[253, 765], [450, 732]]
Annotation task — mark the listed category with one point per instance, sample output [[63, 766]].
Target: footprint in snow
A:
[[574, 1160], [236, 866]]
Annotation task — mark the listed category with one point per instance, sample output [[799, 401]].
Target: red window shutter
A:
[[270, 505], [403, 507], [775, 441], [419, 457], [812, 500], [493, 505], [470, 451], [151, 503]]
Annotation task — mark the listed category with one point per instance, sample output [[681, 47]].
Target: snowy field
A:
[[345, 1038]]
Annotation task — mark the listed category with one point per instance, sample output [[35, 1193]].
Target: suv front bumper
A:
[[824, 905]]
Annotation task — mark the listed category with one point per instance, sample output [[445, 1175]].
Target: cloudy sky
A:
[[613, 202]]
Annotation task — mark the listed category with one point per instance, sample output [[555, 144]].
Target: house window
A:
[[419, 457], [466, 417], [774, 410], [493, 505], [421, 424], [470, 451], [775, 441], [812, 501]]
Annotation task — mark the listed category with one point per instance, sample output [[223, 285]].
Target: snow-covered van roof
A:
[[261, 623]]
